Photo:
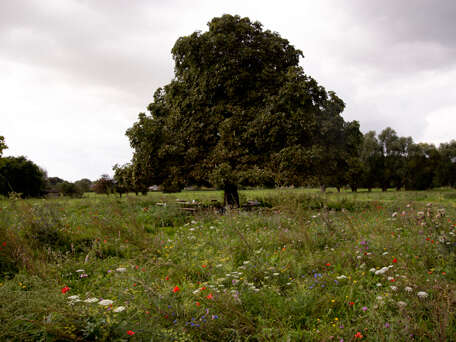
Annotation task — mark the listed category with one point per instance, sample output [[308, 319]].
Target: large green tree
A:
[[240, 111]]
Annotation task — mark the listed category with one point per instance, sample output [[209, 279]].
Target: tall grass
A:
[[302, 266]]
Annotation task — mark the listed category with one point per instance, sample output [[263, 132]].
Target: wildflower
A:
[[121, 269], [105, 302], [408, 289], [394, 288], [210, 296], [83, 275], [364, 308], [359, 335], [130, 332], [351, 303], [387, 325], [198, 303], [395, 260], [328, 264], [379, 284], [176, 289], [119, 309], [79, 271], [65, 289], [422, 294], [401, 304], [341, 277], [91, 300]]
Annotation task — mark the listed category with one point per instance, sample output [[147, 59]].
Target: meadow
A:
[[297, 266]]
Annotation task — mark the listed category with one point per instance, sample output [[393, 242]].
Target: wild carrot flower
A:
[[91, 300], [105, 302], [422, 294]]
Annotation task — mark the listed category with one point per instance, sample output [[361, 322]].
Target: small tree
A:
[[83, 185], [104, 185]]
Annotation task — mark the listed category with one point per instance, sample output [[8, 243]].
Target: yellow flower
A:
[[333, 300]]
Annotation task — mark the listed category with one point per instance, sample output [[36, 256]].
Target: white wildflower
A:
[[121, 269], [422, 294], [401, 304], [91, 300], [341, 277], [119, 309], [105, 302], [379, 298], [382, 270], [394, 288], [385, 253], [372, 270], [379, 284], [79, 271], [275, 274], [408, 289]]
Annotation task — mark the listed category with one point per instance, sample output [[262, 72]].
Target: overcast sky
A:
[[74, 74]]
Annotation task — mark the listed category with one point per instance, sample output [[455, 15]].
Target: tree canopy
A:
[[20, 175], [239, 111]]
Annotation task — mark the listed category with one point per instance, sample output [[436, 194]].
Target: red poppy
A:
[[328, 264], [351, 303], [359, 335], [198, 303], [4, 244], [130, 332], [65, 289], [203, 288], [176, 288], [166, 278], [203, 266], [210, 296], [394, 260]]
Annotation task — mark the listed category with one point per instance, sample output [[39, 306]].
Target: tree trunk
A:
[[323, 188], [354, 188], [338, 188], [231, 196], [369, 189]]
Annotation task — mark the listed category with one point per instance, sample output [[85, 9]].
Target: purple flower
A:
[[364, 308], [387, 325]]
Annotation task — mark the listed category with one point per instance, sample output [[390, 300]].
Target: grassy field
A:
[[301, 266]]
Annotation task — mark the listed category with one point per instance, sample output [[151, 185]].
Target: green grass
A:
[[299, 268]]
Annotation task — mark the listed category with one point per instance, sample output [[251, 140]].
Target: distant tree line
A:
[[389, 161], [23, 177]]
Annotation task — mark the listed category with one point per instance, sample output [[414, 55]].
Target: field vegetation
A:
[[290, 265]]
